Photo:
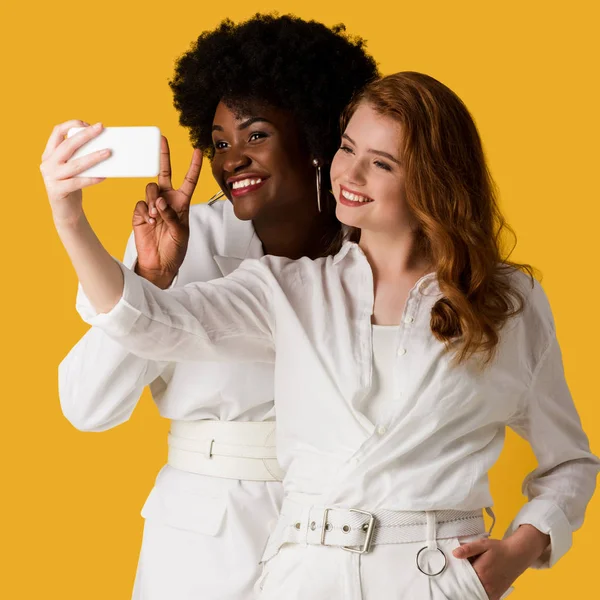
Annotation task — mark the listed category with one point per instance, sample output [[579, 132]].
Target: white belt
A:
[[357, 530], [228, 449]]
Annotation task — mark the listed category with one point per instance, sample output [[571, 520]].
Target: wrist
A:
[[70, 223], [160, 278], [529, 541]]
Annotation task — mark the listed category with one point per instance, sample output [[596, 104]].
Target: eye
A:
[[382, 165], [346, 149], [257, 135], [220, 145]]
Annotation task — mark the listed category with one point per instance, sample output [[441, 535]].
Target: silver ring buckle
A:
[[366, 547], [438, 549]]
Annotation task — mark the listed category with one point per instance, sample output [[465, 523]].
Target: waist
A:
[[227, 449], [358, 529]]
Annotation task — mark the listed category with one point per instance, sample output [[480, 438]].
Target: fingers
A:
[[65, 150], [72, 185], [164, 173], [191, 178], [141, 215], [167, 213], [152, 193], [58, 134], [74, 167], [473, 548]]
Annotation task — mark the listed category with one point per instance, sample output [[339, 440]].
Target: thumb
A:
[[169, 215], [473, 548]]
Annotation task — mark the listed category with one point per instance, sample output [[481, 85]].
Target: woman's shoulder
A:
[[537, 312], [204, 214]]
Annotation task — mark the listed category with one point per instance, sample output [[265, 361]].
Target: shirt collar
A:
[[241, 240], [346, 247], [426, 281]]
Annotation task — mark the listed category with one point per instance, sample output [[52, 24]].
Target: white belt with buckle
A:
[[357, 530], [228, 449]]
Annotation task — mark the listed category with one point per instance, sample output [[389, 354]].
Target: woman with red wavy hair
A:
[[399, 363]]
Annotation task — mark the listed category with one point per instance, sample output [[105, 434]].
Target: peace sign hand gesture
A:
[[161, 222]]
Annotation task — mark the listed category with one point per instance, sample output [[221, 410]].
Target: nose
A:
[[355, 174], [236, 159]]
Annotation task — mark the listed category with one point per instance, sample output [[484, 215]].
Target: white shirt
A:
[[435, 455], [100, 381], [380, 401], [198, 529]]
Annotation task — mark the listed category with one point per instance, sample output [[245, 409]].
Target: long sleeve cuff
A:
[[548, 518], [84, 306], [122, 317]]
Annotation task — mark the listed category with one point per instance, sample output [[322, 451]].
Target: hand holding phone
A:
[[135, 152]]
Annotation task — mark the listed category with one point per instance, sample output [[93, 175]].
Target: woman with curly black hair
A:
[[262, 101]]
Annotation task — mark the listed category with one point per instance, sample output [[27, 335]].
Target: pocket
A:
[[471, 574], [184, 510]]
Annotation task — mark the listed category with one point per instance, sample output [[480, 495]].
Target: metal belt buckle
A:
[[369, 535]]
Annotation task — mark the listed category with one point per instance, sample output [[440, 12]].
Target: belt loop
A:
[[431, 530], [490, 512]]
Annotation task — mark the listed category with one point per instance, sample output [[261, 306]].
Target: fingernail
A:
[[98, 126], [151, 221], [161, 204], [153, 211]]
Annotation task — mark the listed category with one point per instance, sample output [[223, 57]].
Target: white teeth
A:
[[236, 185], [355, 197]]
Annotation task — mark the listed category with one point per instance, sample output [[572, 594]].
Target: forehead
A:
[[238, 111], [370, 128]]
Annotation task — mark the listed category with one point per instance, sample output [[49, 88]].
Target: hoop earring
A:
[[216, 197], [318, 168]]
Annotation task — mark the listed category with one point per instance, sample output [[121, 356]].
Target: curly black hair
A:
[[304, 67]]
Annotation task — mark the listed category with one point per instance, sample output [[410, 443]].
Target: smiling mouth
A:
[[245, 186], [349, 198]]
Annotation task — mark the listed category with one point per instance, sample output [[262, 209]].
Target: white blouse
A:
[[380, 401], [435, 448], [100, 381]]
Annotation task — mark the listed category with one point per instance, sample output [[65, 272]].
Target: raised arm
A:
[[100, 381], [225, 319]]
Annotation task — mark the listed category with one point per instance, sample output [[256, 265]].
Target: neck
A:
[[294, 233], [393, 256]]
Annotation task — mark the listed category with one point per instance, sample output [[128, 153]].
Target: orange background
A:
[[527, 70]]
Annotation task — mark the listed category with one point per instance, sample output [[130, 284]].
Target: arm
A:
[[214, 320], [561, 486], [100, 382], [225, 319]]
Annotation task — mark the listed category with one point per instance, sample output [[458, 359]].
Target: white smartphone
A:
[[135, 152]]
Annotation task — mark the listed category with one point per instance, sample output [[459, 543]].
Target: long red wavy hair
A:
[[453, 199]]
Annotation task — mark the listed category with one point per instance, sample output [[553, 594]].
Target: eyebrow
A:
[[245, 124], [378, 152]]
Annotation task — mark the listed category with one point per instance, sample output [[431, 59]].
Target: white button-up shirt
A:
[[198, 529], [435, 450], [100, 381]]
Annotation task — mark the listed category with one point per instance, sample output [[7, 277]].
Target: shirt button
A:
[[401, 351], [409, 319], [381, 430]]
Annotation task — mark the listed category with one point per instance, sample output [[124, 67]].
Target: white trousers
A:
[[388, 572], [204, 537]]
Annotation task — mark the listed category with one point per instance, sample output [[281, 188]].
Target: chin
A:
[[348, 216], [247, 208]]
